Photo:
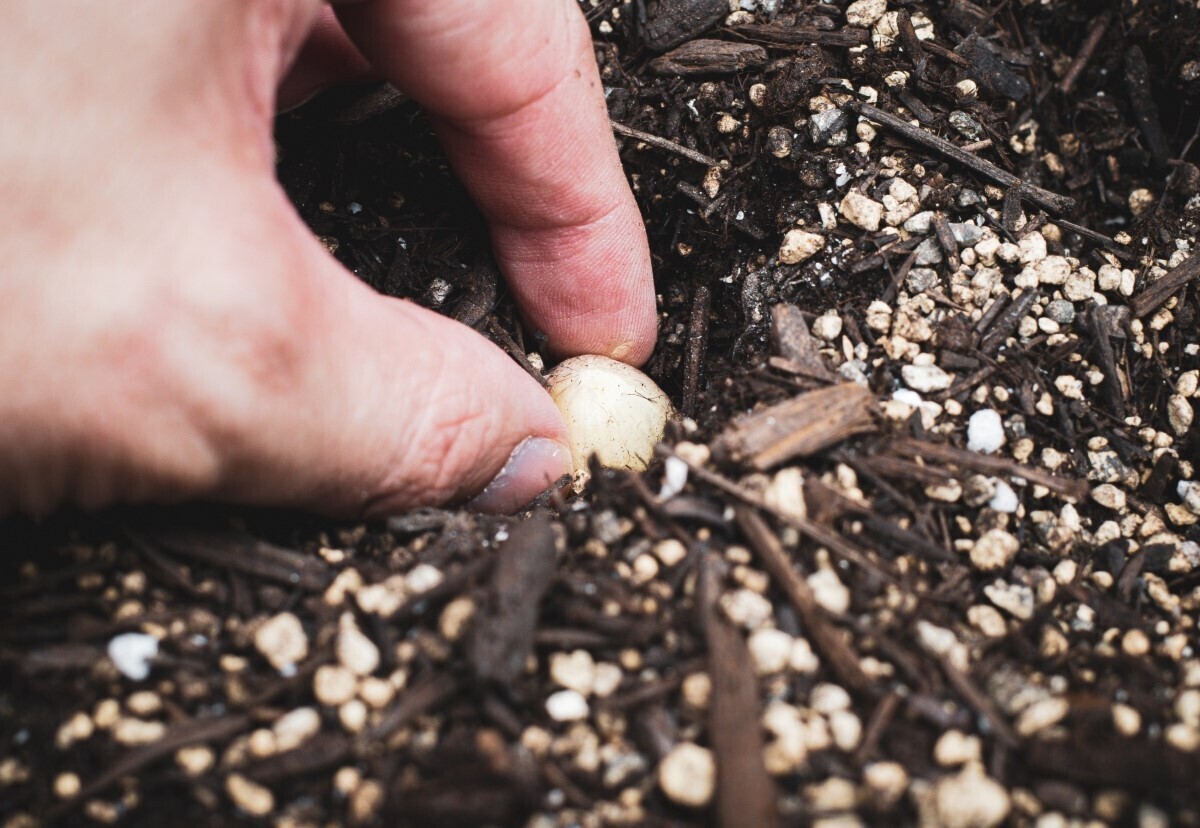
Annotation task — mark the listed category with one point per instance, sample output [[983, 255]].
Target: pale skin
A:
[[169, 328]]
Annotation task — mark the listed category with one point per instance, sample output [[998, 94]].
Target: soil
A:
[[935, 557]]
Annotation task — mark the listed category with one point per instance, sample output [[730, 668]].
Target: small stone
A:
[[888, 782], [1135, 643], [1140, 200], [966, 233], [356, 652], [995, 550], [746, 608], [1080, 286], [799, 246], [802, 659], [985, 431], [862, 212], [606, 678], [353, 715], [1179, 414], [966, 126], [987, 620], [575, 671], [423, 578], [688, 774], [1126, 720], [131, 653], [195, 760], [251, 797], [67, 785], [846, 730], [929, 252], [970, 799], [830, 128], [900, 202], [926, 378], [864, 13], [670, 552], [1032, 247], [1005, 500], [1183, 737], [1040, 715], [697, 690], [137, 732], [827, 326], [1061, 311], [1015, 599], [1110, 497], [829, 591], [295, 727], [1053, 270], [780, 141], [770, 649], [282, 641], [334, 685], [567, 706], [825, 698], [954, 748], [456, 618]]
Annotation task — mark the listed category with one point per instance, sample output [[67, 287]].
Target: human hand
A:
[[170, 329]]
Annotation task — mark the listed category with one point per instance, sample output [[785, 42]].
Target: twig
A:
[[663, 143], [1104, 241], [1043, 198], [697, 346], [825, 639], [1086, 51], [746, 793], [1160, 290], [936, 453]]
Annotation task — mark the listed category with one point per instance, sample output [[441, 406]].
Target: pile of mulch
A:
[[922, 549]]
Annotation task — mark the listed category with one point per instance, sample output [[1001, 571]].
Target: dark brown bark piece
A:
[[799, 427], [502, 634], [826, 640], [986, 464], [671, 22], [793, 342], [792, 36], [991, 73], [709, 57], [746, 794], [1160, 290]]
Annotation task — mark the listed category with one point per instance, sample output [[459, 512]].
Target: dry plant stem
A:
[[1044, 198], [663, 143], [746, 793], [697, 347], [937, 453], [202, 731], [825, 638], [1159, 291], [1086, 51]]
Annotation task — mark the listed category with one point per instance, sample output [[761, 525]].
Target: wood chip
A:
[[502, 634], [746, 793], [799, 427]]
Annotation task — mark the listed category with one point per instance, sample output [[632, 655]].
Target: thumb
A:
[[393, 407]]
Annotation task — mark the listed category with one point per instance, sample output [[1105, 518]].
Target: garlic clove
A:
[[612, 410]]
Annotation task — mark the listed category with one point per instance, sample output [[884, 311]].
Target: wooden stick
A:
[[1043, 198], [663, 143]]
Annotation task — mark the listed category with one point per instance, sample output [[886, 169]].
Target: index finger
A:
[[514, 94]]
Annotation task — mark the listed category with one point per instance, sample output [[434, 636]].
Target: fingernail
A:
[[533, 466]]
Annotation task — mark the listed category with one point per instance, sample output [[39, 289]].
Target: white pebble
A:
[[970, 799], [688, 775], [995, 550], [132, 653], [567, 706], [985, 431], [1005, 499], [827, 326], [864, 13], [926, 378], [770, 649]]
